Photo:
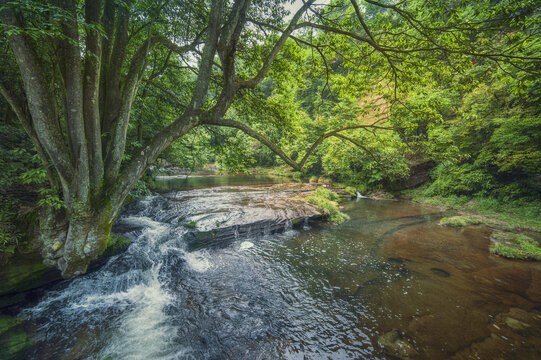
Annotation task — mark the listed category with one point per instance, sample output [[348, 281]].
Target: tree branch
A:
[[91, 91], [251, 83], [256, 135], [182, 125], [40, 101], [117, 139]]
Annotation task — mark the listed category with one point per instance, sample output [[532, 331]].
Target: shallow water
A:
[[322, 292]]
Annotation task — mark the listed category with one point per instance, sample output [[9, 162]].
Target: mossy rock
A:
[[24, 273], [460, 221], [14, 341], [115, 245], [514, 246], [325, 200]]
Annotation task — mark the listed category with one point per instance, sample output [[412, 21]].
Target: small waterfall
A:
[[361, 196], [288, 225], [142, 303]]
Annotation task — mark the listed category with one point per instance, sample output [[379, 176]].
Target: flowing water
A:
[[321, 292]]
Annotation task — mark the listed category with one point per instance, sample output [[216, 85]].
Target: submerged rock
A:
[[246, 245], [393, 344], [440, 272], [515, 324]]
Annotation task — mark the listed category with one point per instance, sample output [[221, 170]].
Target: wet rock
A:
[[221, 215], [515, 324], [393, 344], [440, 272], [22, 274], [224, 236]]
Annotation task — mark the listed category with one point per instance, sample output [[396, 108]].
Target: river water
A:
[[320, 292]]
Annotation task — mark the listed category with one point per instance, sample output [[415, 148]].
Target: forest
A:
[[429, 103], [96, 92]]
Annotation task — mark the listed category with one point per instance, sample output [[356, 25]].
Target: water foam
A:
[[142, 333], [198, 260], [245, 245]]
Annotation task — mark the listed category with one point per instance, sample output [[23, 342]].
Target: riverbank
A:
[[509, 215], [515, 215]]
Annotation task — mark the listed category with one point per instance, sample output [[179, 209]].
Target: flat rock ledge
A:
[[265, 211]]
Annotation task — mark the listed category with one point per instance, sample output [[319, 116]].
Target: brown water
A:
[[457, 299], [327, 292]]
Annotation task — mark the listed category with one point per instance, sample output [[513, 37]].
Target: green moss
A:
[[509, 215], [351, 191], [116, 244], [460, 221], [25, 272], [190, 225], [325, 200], [13, 339], [515, 246]]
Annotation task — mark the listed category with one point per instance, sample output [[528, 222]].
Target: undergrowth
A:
[[326, 201]]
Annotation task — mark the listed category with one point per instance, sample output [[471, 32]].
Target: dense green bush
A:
[[325, 200]]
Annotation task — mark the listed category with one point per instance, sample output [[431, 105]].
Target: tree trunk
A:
[[71, 244]]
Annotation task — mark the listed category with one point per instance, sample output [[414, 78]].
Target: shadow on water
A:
[[313, 292]]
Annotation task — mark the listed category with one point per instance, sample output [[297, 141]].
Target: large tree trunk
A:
[[71, 244]]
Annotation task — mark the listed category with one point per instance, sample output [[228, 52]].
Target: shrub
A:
[[326, 194], [351, 191], [116, 244], [325, 200], [9, 235]]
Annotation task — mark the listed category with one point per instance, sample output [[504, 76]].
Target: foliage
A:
[[359, 93], [514, 214], [325, 200], [141, 190], [16, 154], [9, 234], [515, 246], [192, 225], [116, 244], [351, 191]]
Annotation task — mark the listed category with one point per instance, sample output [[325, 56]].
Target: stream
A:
[[389, 283]]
